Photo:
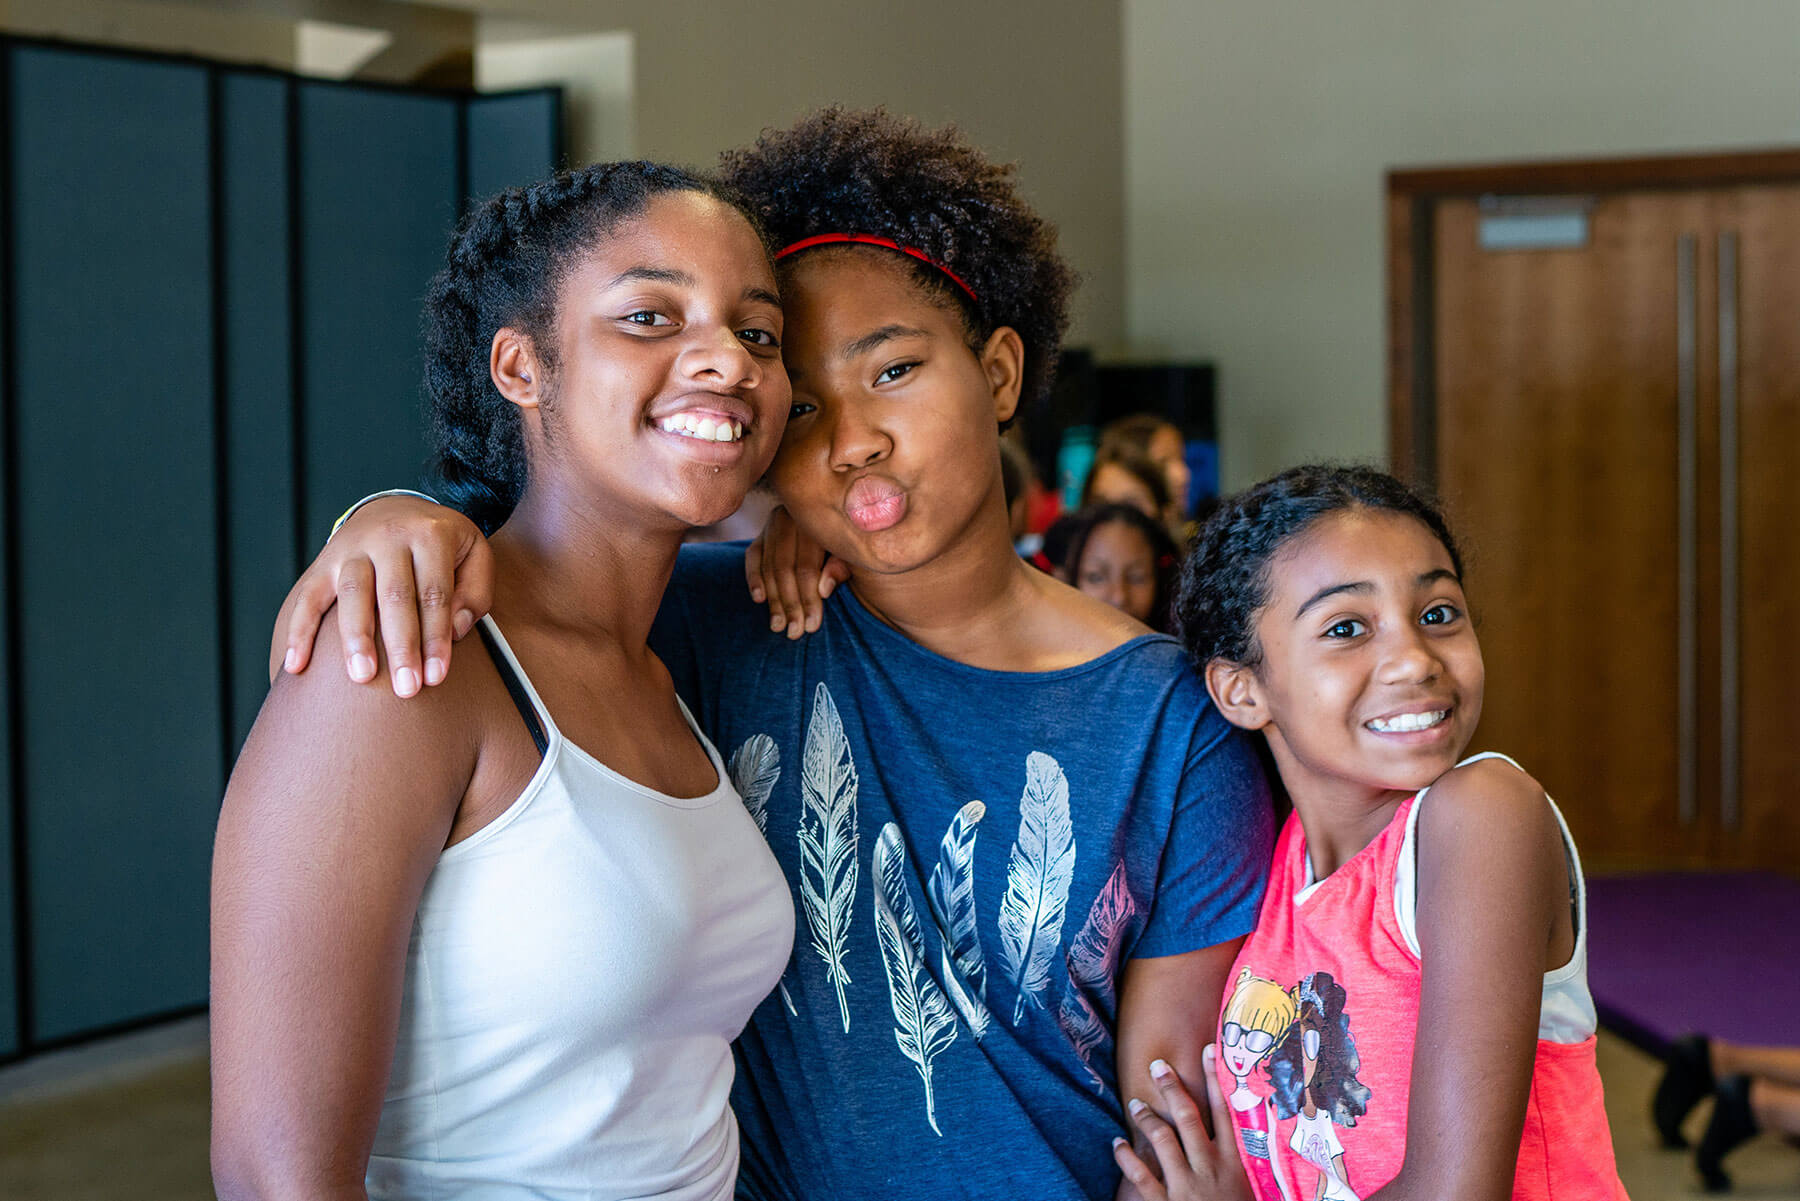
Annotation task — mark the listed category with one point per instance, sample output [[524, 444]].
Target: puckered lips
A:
[[875, 503], [711, 426]]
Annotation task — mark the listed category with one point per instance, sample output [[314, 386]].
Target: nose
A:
[[716, 356], [1410, 657], [856, 439]]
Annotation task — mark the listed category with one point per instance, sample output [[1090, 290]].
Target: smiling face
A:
[[667, 396], [1118, 566], [1370, 682], [891, 455]]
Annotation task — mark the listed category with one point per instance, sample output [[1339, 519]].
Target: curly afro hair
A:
[[869, 172]]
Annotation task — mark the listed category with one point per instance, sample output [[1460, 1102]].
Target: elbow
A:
[[245, 1169]]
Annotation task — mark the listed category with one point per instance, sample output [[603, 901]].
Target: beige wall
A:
[[1032, 80], [1257, 135]]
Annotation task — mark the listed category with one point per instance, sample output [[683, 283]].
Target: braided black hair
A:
[[869, 172], [505, 268], [1225, 580]]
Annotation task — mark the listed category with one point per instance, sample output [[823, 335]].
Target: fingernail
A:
[[756, 594], [434, 671], [1209, 1055], [826, 587], [292, 662], [1159, 1068], [1136, 1107], [1117, 1143], [777, 624], [462, 623], [362, 668], [406, 681]]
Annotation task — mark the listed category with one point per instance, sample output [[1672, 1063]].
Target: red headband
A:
[[873, 240]]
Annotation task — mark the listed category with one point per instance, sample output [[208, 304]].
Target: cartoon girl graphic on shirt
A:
[[1314, 1074], [1257, 1019]]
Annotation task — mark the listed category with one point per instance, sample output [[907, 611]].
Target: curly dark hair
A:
[[1335, 1090], [1225, 580], [505, 268], [1162, 550], [867, 171]]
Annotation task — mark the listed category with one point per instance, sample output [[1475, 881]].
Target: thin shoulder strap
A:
[[516, 687]]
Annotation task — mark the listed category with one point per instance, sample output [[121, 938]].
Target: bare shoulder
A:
[[421, 745], [1489, 809]]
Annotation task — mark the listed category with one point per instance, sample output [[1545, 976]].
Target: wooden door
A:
[[1557, 382], [1759, 823]]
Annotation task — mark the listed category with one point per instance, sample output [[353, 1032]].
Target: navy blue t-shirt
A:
[[974, 856]]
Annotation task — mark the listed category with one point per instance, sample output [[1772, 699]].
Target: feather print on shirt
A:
[[1038, 874], [1093, 958], [828, 840], [754, 768], [923, 1022], [951, 893]]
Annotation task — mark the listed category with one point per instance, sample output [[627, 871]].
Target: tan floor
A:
[[144, 1139]]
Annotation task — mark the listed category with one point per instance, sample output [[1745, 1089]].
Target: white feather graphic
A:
[[1093, 958], [828, 840], [1037, 881], [951, 894], [754, 768], [923, 1023]]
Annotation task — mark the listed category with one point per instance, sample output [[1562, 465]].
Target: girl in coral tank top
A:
[[1410, 1017]]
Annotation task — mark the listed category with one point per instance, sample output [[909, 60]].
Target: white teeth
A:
[[707, 429], [1406, 723]]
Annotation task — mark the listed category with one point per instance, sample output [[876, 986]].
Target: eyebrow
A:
[[667, 275], [1364, 587], [654, 275], [874, 338]]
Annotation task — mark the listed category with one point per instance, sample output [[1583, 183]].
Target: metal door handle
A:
[[1729, 695], [1687, 505]]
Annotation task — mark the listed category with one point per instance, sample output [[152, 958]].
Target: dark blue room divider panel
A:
[[513, 139], [209, 344], [118, 587], [258, 373], [380, 189], [9, 944]]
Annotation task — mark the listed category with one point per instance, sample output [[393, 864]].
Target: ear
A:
[[1237, 693], [1003, 362], [514, 367]]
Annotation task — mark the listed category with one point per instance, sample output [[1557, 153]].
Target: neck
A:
[[965, 604], [571, 561], [1340, 817]]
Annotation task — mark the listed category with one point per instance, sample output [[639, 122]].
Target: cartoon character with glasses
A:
[[1257, 1019]]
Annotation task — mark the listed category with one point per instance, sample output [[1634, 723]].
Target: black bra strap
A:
[[520, 697]]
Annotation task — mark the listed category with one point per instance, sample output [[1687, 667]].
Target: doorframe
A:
[[1412, 197]]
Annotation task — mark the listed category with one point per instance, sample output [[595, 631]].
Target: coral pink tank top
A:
[[1316, 1039]]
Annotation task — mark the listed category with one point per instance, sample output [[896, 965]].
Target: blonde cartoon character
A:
[[1258, 1019]]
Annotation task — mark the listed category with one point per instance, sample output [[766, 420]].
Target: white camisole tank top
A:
[[577, 971]]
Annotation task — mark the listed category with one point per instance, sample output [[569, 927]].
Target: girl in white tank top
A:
[[456, 955]]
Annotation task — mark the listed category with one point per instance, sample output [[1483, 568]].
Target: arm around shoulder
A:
[[336, 812]]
